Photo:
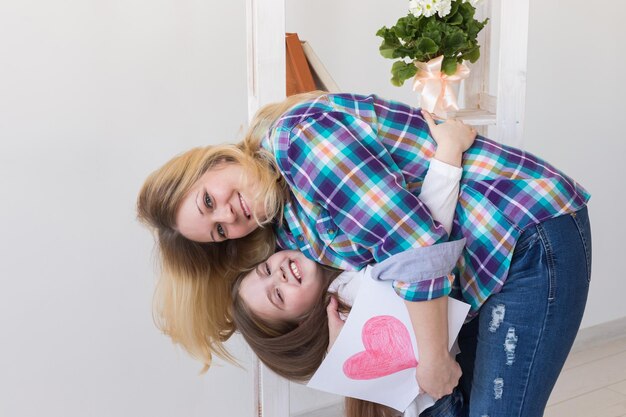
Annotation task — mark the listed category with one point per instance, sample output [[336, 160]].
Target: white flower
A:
[[415, 8], [429, 7], [444, 7]]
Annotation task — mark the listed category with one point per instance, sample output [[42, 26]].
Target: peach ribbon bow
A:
[[438, 90]]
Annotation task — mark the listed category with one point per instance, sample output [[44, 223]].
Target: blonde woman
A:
[[339, 176]]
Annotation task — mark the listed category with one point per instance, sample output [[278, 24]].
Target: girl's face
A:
[[284, 287], [219, 206]]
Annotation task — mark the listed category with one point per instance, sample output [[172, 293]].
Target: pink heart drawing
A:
[[388, 350]]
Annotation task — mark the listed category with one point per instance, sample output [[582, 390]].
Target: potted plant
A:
[[430, 44]]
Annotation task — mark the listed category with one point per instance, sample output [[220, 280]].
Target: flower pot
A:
[[438, 90]]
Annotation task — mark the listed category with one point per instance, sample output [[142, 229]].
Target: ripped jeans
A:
[[524, 333]]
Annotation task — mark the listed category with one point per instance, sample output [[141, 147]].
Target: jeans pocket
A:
[[448, 406], [526, 241]]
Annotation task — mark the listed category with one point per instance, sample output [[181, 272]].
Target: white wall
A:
[[93, 96], [574, 117], [574, 102]]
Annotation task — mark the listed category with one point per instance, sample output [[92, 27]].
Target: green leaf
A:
[[389, 44], [388, 35], [467, 11], [406, 27], [405, 52], [382, 31], [434, 30], [454, 19], [401, 71], [426, 46], [449, 65], [454, 8], [386, 51], [456, 40], [472, 55], [474, 27]]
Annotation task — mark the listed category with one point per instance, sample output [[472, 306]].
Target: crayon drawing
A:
[[387, 350]]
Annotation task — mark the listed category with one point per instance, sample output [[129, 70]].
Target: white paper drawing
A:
[[375, 356]]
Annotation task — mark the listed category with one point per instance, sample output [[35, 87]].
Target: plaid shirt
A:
[[355, 165]]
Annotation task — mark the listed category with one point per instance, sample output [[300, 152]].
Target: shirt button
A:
[[331, 231], [300, 238]]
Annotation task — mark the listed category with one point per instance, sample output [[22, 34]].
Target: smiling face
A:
[[283, 288], [219, 206]]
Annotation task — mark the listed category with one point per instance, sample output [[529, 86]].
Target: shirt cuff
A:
[[420, 264], [424, 290]]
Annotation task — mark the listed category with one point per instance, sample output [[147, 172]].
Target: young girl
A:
[[283, 309], [287, 307]]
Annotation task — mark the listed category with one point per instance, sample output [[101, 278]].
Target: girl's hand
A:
[[438, 376], [453, 137], [335, 323]]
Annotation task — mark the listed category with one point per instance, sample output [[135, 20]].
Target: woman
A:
[[353, 167]]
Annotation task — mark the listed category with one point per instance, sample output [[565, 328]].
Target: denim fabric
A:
[[524, 333], [449, 406]]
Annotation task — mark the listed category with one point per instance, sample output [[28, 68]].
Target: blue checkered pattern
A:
[[355, 165]]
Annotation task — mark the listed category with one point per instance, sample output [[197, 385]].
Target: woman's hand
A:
[[453, 137], [335, 323], [438, 376]]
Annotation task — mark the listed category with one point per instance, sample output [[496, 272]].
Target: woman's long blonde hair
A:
[[192, 297]]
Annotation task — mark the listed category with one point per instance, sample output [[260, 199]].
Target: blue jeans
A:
[[449, 406], [523, 334]]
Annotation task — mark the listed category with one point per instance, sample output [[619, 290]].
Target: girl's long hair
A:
[[296, 350], [192, 298]]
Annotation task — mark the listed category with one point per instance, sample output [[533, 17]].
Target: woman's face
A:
[[218, 206], [284, 287]]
